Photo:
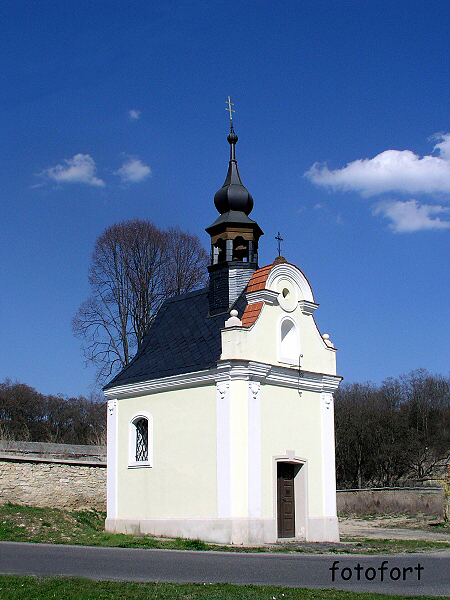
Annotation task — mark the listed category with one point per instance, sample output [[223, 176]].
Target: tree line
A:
[[396, 433], [27, 415]]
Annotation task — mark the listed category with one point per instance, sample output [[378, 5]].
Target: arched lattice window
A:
[[141, 440], [140, 443]]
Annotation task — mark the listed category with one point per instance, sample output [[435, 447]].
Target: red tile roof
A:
[[258, 280], [251, 313], [256, 283]]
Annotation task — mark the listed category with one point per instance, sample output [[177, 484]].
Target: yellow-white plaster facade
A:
[[215, 436]]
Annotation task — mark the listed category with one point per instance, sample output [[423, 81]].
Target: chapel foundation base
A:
[[323, 529], [239, 532]]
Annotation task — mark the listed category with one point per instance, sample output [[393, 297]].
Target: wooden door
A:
[[285, 500]]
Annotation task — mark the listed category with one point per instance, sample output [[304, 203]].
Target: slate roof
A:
[[233, 217], [183, 338]]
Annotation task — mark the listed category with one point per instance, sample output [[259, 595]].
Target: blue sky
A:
[[115, 110]]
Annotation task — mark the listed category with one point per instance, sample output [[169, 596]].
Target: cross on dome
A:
[[233, 196], [230, 109]]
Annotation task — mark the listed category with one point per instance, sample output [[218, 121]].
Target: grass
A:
[[390, 546], [86, 528], [17, 588]]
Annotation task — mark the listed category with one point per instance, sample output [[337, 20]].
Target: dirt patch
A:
[[403, 527]]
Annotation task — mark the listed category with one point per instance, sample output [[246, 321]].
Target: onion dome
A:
[[233, 195]]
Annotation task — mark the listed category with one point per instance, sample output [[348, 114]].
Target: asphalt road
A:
[[412, 574]]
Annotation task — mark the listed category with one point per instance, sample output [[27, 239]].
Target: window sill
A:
[[139, 465]]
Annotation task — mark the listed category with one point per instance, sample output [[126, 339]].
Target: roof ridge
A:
[[178, 297]]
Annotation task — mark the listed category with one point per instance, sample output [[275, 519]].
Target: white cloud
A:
[[391, 171], [133, 171], [444, 146], [134, 114], [410, 216], [79, 169]]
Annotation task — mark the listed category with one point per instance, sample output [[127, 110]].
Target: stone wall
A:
[[53, 475], [411, 501], [74, 478]]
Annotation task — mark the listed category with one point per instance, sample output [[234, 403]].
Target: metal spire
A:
[[233, 196], [232, 137]]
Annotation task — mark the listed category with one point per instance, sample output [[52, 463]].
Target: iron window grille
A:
[[141, 440]]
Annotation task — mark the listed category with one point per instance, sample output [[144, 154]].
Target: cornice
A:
[[242, 369], [163, 384], [265, 295], [275, 375], [232, 370], [307, 307], [290, 272]]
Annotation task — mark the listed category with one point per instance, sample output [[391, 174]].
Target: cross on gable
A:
[[279, 240]]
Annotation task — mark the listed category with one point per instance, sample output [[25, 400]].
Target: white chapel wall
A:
[[184, 454], [262, 342], [291, 422]]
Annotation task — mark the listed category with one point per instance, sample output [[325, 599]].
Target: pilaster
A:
[[111, 477], [254, 450], [328, 455], [223, 424]]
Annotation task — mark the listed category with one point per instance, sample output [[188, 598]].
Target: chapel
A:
[[221, 428]]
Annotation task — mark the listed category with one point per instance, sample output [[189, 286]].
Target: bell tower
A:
[[234, 236]]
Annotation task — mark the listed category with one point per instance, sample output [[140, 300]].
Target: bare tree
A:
[[354, 433], [135, 266], [187, 262], [395, 433], [426, 409]]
